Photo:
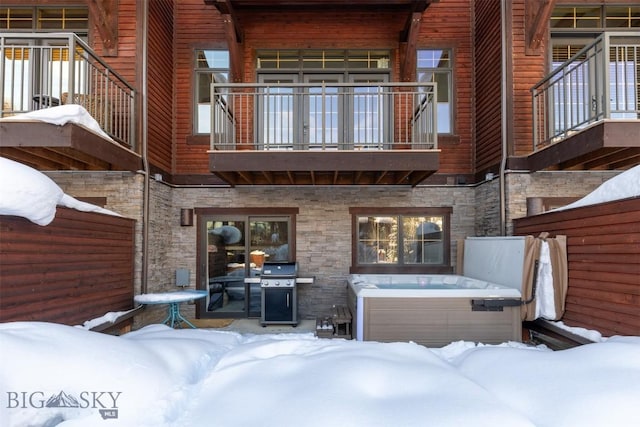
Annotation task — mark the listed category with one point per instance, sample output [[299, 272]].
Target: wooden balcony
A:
[[586, 113], [37, 72], [337, 134]]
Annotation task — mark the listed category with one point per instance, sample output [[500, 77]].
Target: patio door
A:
[[233, 248], [278, 113], [323, 116], [369, 112]]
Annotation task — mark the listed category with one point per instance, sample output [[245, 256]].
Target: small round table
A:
[[173, 299]]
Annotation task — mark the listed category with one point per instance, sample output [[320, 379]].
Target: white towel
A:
[[545, 303]]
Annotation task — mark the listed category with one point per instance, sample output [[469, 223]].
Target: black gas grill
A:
[[278, 293]]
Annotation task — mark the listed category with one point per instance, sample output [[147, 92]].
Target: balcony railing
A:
[[37, 71], [602, 81], [340, 116]]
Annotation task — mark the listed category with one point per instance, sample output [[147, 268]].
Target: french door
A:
[[323, 113]]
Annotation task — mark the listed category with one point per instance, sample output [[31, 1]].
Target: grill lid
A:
[[279, 269]]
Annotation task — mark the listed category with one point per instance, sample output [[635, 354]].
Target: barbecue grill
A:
[[279, 301]]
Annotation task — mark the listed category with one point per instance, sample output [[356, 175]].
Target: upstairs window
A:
[[45, 18], [435, 66], [211, 66]]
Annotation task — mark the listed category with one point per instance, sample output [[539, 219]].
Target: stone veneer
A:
[[323, 224]]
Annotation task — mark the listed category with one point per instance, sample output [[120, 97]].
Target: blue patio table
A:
[[173, 299]]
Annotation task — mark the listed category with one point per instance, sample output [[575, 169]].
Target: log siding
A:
[[75, 269], [603, 246]]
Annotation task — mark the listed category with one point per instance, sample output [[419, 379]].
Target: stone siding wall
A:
[[323, 226], [548, 184]]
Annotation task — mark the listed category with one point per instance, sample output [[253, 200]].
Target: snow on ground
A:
[[158, 376]]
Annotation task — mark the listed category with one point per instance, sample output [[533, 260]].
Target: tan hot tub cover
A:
[[558, 254]]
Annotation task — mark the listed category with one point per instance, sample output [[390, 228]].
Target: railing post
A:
[[72, 68], [606, 76], [212, 126]]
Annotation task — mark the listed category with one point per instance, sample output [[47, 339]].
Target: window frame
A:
[[234, 214], [36, 19], [198, 73], [444, 268], [449, 71]]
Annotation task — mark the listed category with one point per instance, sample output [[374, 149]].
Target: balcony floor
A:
[[606, 145], [388, 167], [45, 146]]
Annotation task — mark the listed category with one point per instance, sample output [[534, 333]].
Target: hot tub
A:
[[433, 310]]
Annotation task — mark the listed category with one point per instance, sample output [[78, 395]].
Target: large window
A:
[[234, 245], [210, 66], [435, 66], [45, 18], [401, 240]]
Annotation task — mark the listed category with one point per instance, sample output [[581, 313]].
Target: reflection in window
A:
[[402, 240], [212, 66], [237, 246], [435, 66]]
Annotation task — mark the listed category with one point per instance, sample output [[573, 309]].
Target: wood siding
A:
[[75, 269], [603, 246], [488, 88], [445, 25], [448, 24], [160, 84], [197, 26]]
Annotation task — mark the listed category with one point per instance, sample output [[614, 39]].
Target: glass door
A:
[[323, 112], [225, 266], [235, 248], [369, 126], [278, 116]]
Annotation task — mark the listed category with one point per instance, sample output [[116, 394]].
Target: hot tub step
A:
[[342, 321], [338, 325]]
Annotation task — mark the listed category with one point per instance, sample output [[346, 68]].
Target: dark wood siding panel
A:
[[603, 246], [449, 24], [488, 84], [160, 83], [125, 63], [527, 70], [77, 268], [196, 26]]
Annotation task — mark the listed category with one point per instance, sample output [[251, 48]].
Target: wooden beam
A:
[[235, 48], [404, 177], [246, 176], [381, 175], [104, 15], [408, 42], [537, 15], [268, 176]]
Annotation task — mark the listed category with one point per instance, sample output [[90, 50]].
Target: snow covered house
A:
[[320, 129]]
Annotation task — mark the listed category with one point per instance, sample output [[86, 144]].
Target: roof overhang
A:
[[46, 146], [233, 10], [388, 167]]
